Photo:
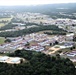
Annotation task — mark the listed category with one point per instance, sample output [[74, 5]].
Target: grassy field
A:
[[2, 24], [4, 19], [2, 39]]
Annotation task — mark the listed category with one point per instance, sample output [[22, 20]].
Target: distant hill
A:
[[49, 9], [41, 8]]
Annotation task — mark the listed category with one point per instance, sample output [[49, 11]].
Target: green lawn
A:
[[2, 39]]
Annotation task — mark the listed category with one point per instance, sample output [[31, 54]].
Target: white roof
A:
[[71, 55], [72, 34], [4, 58], [62, 47], [15, 59]]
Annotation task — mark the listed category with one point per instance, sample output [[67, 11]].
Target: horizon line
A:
[[40, 4]]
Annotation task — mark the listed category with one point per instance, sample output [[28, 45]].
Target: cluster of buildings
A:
[[31, 17], [72, 54], [36, 42], [65, 45], [66, 24], [41, 19], [44, 19], [35, 48]]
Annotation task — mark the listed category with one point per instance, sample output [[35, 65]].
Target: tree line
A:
[[55, 33], [31, 30]]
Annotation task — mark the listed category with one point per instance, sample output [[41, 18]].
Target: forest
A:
[[32, 30], [38, 64]]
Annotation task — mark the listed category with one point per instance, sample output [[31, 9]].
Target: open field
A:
[[2, 39], [2, 24], [63, 50], [53, 50], [5, 19]]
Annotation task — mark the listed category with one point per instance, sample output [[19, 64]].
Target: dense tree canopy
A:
[[38, 64], [31, 30], [7, 40]]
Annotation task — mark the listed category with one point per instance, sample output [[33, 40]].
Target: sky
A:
[[32, 2]]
